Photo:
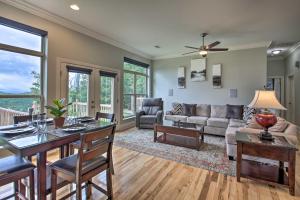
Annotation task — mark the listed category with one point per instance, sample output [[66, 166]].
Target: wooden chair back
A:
[[95, 144], [25, 118], [108, 116]]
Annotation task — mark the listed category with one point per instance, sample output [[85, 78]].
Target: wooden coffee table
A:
[[183, 134], [279, 149]]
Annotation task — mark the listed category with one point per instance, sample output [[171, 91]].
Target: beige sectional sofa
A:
[[212, 117], [215, 122]]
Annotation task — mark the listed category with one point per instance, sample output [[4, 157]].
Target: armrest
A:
[[139, 113], [159, 116], [137, 117]]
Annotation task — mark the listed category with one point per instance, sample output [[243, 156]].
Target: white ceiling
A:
[[171, 24]]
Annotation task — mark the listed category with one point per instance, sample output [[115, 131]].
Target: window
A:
[[135, 86], [22, 57]]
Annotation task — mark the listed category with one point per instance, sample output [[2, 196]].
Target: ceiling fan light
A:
[[203, 53]]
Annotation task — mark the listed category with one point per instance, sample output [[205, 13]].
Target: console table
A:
[[279, 150]]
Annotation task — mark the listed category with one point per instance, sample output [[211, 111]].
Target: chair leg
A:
[[53, 184], [88, 189], [109, 184], [22, 188], [112, 165], [71, 149], [16, 190], [78, 191], [31, 185], [62, 152]]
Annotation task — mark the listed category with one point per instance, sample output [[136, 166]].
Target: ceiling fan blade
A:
[[218, 49], [190, 52], [191, 47], [213, 44]]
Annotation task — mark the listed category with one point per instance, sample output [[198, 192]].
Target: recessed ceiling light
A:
[[276, 52], [74, 7]]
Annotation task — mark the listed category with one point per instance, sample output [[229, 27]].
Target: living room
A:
[[184, 86]]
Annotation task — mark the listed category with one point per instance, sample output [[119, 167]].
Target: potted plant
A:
[[58, 110]]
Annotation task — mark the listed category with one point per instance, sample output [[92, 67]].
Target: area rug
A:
[[212, 155]]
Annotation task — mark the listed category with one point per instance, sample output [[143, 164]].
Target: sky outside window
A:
[[19, 38], [17, 73]]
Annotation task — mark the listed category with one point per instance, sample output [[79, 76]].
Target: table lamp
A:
[[266, 100]]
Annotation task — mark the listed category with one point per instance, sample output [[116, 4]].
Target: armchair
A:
[[150, 113]]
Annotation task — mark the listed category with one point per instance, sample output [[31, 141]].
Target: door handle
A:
[[92, 106]]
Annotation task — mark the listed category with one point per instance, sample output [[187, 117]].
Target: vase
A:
[[59, 122]]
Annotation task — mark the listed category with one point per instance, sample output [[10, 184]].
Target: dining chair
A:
[[13, 169], [99, 115], [25, 118], [94, 157]]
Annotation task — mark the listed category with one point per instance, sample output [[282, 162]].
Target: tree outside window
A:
[[135, 87]]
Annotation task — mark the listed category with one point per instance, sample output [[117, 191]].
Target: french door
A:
[[89, 89]]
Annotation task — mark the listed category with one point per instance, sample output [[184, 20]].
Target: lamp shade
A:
[[265, 99]]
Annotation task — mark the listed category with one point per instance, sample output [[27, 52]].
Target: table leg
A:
[[238, 162], [155, 134], [62, 152], [198, 142], [291, 173], [41, 175], [281, 172]]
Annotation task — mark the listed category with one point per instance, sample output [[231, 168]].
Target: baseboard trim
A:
[[125, 126]]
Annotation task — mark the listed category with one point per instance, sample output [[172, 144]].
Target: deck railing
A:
[[7, 116], [81, 108]]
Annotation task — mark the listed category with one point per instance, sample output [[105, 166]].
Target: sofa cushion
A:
[[197, 120], [235, 111], [203, 110], [151, 110], [177, 108], [218, 122], [218, 111], [189, 109], [214, 130], [176, 118], [280, 126], [251, 123], [236, 123], [148, 119]]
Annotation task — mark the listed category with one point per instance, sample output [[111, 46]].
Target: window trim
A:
[[25, 51], [134, 89]]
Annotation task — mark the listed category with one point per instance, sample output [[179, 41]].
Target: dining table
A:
[[38, 143]]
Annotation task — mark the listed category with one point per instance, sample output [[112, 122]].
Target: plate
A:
[[73, 128], [85, 119], [18, 130]]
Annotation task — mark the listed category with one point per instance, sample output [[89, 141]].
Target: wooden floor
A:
[[140, 176]]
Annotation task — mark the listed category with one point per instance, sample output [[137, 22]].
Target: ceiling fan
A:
[[205, 48]]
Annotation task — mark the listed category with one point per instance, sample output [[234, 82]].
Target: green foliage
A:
[[36, 85], [59, 108]]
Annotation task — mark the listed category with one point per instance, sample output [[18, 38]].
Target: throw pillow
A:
[[203, 110], [251, 123], [235, 111], [177, 109], [218, 111], [189, 109], [248, 113], [280, 126]]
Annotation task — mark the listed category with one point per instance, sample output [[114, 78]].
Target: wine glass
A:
[[42, 123]]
